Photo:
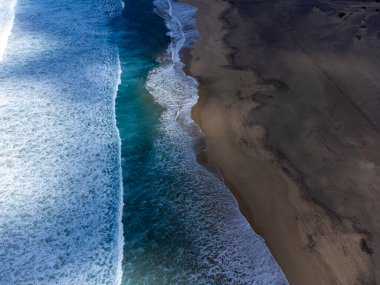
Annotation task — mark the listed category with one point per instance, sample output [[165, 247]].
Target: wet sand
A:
[[289, 104]]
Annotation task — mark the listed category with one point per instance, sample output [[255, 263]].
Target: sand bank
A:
[[289, 100]]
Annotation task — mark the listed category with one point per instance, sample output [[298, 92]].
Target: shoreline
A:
[[313, 242]]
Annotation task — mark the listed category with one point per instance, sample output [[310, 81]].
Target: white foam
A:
[[228, 249], [60, 177], [7, 15], [119, 271]]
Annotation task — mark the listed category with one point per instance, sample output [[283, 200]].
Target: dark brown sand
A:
[[290, 106]]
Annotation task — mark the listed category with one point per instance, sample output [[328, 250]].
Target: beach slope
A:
[[289, 94]]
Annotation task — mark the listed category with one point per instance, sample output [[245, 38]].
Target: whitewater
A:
[[60, 185]]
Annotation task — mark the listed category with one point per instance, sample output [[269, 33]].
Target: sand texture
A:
[[290, 107]]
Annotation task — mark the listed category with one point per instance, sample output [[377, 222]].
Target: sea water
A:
[[60, 178], [181, 224]]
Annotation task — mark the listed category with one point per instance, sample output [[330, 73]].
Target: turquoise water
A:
[[181, 225], [143, 38], [152, 235]]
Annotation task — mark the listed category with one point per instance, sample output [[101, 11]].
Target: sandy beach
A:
[[289, 99]]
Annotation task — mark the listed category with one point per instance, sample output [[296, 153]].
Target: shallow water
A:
[[181, 224]]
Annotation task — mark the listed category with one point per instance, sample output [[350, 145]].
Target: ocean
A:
[[99, 182], [60, 177]]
